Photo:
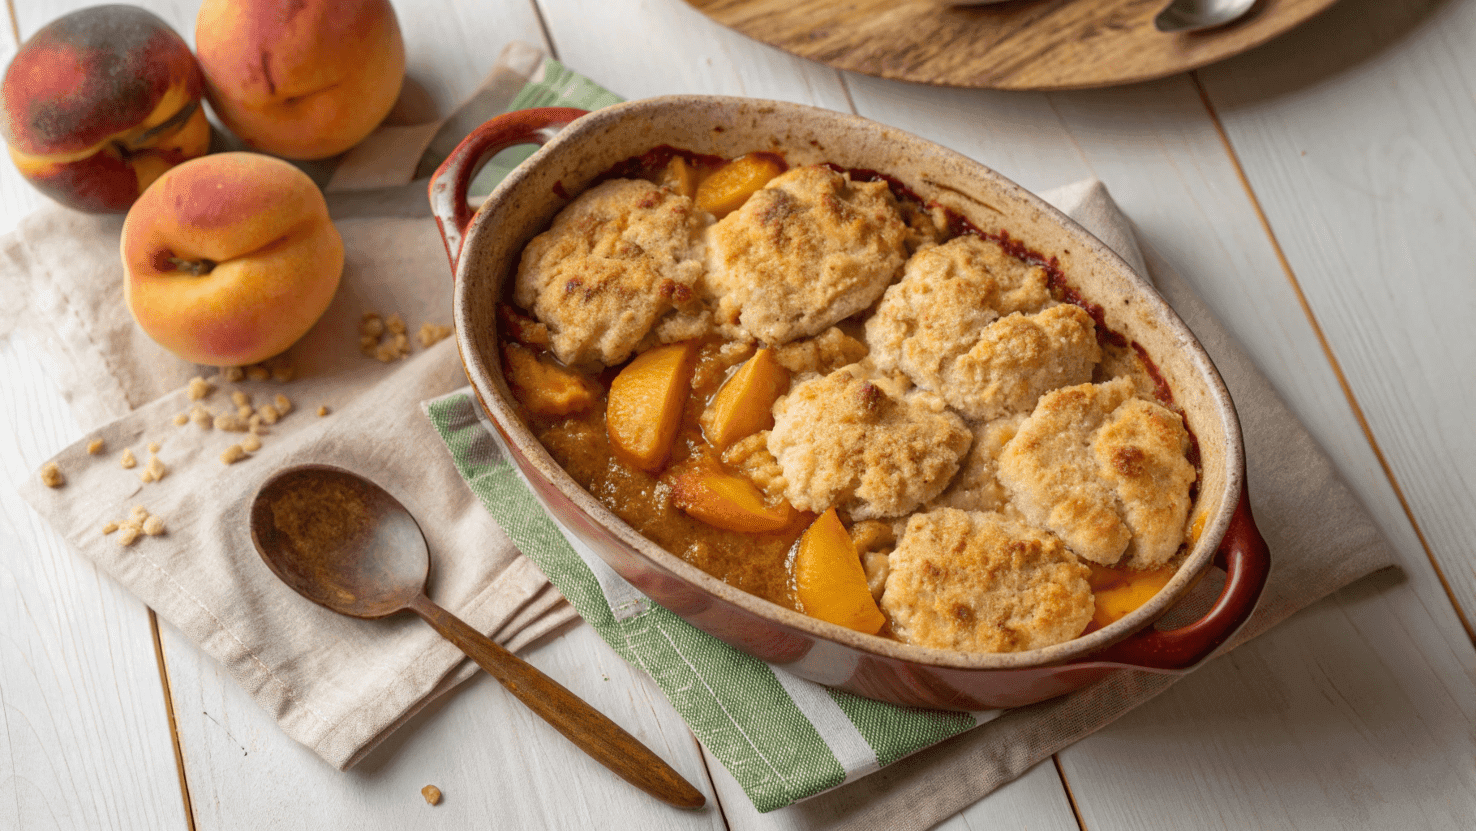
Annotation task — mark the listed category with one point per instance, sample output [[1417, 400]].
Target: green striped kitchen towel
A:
[[782, 738]]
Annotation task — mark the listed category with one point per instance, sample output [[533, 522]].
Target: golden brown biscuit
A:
[[947, 295], [807, 250], [615, 261], [861, 442], [979, 582], [1095, 465], [1019, 358], [821, 355]]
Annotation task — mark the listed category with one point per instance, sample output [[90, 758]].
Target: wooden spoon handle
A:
[[586, 727]]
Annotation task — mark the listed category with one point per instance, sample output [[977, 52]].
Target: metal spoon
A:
[[344, 543], [1195, 15]]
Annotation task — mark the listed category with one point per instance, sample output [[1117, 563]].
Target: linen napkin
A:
[[335, 684], [785, 739]]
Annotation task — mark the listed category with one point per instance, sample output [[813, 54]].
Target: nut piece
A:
[[154, 471], [51, 475], [232, 454], [94, 447], [251, 443], [127, 460], [432, 333], [198, 388], [432, 794]]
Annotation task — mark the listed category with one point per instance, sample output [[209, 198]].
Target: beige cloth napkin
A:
[[335, 684]]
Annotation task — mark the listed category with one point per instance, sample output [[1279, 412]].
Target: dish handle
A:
[[451, 181], [1246, 560]]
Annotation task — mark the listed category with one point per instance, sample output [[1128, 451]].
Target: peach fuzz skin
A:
[[305, 79], [257, 229], [98, 103]]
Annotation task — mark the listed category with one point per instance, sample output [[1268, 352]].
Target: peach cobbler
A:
[[815, 387]]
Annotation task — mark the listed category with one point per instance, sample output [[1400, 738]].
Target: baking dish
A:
[[484, 246]]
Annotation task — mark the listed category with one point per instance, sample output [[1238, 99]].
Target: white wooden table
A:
[[1319, 192]]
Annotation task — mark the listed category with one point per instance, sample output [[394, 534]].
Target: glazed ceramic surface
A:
[[485, 247]]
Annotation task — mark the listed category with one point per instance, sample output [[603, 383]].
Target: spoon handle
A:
[[589, 729]]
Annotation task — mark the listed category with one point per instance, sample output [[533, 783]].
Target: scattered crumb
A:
[[395, 324], [127, 460], [139, 512], [254, 423], [233, 373], [181, 418], [153, 526], [201, 416], [432, 333], [243, 412], [153, 447], [94, 447], [232, 454], [251, 443], [282, 373], [198, 388], [367, 345], [128, 534], [322, 410], [230, 422], [283, 404], [240, 399], [371, 326], [51, 475], [154, 471], [109, 528], [432, 794], [257, 372], [268, 414]]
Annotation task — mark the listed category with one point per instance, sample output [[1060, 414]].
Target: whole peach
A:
[[98, 103], [230, 258], [304, 79]]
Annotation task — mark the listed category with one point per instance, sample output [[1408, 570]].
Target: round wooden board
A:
[[1024, 45]]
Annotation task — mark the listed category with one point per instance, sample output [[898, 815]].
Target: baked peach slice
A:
[[1117, 595], [745, 404], [829, 579], [730, 186], [644, 408], [726, 501], [544, 387]]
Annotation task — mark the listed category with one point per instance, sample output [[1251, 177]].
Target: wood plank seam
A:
[[1332, 358], [1066, 786], [174, 740], [548, 38]]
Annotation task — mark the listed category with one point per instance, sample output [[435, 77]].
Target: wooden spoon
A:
[[344, 543]]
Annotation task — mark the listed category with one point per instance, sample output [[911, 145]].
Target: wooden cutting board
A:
[[1025, 44]]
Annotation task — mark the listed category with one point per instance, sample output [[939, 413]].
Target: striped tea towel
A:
[[782, 738]]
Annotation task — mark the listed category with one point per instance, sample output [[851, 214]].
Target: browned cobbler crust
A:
[[808, 250], [988, 435], [980, 582], [614, 262]]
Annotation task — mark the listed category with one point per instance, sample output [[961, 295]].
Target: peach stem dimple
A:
[[195, 268]]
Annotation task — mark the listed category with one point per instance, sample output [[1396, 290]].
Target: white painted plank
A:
[[498, 765], [1304, 728], [84, 737], [642, 48], [1355, 133]]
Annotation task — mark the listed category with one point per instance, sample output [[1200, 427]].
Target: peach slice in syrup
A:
[[644, 408], [830, 581], [729, 502], [745, 403], [730, 186]]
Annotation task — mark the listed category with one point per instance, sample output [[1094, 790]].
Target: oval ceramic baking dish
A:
[[484, 248]]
